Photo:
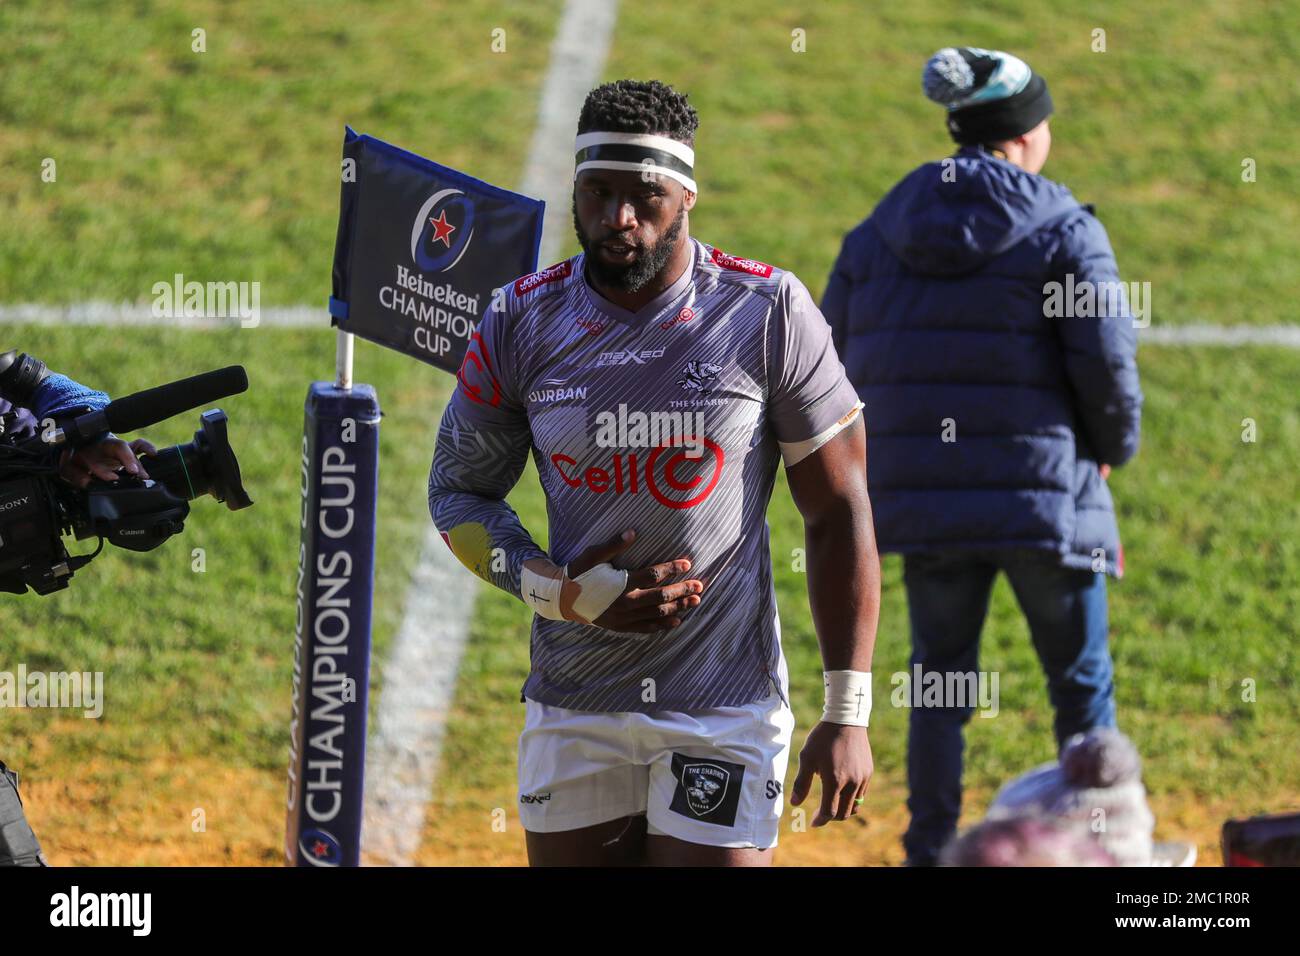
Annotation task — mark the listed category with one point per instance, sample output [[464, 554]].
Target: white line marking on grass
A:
[[417, 693], [557, 221], [419, 682], [126, 313], [1286, 336], [577, 57]]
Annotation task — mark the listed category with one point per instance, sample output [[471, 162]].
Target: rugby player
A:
[[657, 381]]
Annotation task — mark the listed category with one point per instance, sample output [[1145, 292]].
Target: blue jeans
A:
[[947, 599]]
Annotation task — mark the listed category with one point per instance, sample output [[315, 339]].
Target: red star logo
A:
[[319, 848], [442, 229]]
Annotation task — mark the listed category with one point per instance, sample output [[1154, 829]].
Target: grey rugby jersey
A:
[[666, 421]]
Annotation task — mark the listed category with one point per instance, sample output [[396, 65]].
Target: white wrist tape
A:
[[541, 592], [848, 697], [598, 589], [601, 586]]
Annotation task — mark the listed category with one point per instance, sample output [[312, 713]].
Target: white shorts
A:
[[710, 776]]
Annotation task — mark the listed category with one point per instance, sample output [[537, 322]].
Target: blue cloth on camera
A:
[[937, 307], [56, 395], [59, 395]]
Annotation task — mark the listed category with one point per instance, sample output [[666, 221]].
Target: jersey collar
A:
[[652, 308]]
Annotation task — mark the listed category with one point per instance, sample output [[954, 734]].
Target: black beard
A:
[[635, 275]]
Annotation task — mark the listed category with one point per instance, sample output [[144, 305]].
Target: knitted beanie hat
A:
[[1096, 787], [991, 96]]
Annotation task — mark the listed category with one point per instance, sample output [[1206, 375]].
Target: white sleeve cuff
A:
[[794, 452]]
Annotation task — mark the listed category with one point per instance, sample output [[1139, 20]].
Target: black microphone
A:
[[154, 405]]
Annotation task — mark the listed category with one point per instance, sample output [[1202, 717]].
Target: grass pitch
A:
[[223, 165]]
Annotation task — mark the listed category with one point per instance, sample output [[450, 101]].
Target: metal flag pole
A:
[[343, 361]]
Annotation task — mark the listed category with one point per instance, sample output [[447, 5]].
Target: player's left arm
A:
[[829, 488], [816, 416]]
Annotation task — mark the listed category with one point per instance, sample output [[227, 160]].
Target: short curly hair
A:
[[639, 106]]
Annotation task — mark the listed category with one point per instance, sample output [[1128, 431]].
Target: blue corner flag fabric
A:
[[422, 249]]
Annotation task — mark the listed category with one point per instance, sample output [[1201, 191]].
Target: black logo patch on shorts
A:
[[707, 789]]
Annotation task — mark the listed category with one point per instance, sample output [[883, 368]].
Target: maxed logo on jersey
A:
[[628, 356]]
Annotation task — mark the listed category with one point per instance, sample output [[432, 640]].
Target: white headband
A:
[[636, 151]]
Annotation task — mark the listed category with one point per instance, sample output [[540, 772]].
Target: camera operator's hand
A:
[[102, 461]]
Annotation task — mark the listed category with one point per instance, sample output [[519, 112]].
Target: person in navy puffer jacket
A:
[[1000, 393]]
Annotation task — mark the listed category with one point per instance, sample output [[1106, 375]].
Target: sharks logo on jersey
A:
[[699, 376], [707, 790]]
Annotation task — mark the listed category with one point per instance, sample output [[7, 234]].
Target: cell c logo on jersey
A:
[[477, 380], [685, 315], [667, 473], [442, 230], [683, 474]]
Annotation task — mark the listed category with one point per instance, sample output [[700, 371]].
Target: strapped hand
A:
[[593, 591]]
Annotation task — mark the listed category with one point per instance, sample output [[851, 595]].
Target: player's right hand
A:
[[648, 604]]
